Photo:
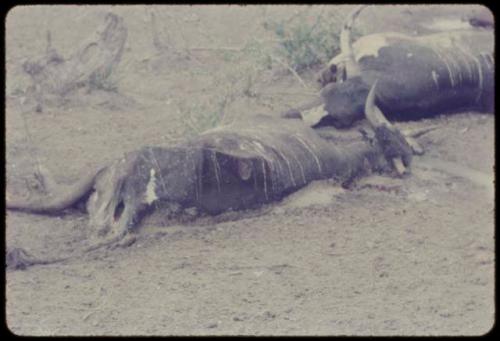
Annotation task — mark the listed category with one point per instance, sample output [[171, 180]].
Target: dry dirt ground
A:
[[412, 256]]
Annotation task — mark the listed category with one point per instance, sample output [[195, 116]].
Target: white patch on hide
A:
[[292, 179], [370, 47], [480, 80], [150, 188], [259, 146], [259, 149], [448, 67], [265, 178], [301, 167], [340, 58], [314, 115], [448, 24], [306, 146], [488, 60], [435, 77], [216, 169], [93, 199]]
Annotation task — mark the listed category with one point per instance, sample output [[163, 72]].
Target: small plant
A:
[[199, 117], [304, 42], [237, 81]]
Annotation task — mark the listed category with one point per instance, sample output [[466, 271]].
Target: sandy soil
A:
[[412, 256]]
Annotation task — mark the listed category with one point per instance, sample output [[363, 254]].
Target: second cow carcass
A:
[[418, 76]]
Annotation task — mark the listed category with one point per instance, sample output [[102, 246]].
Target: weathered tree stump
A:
[[89, 66]]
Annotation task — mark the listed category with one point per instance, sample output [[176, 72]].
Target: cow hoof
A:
[[292, 114], [399, 166], [415, 146]]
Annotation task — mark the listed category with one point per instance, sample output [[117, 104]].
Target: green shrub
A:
[[304, 41]]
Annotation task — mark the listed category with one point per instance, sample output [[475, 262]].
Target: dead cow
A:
[[418, 76], [234, 167]]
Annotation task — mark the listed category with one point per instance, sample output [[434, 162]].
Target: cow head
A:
[[127, 188], [343, 66], [334, 72], [111, 209], [345, 102]]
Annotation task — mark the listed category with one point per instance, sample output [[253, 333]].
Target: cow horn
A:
[[412, 134], [377, 120], [350, 65], [373, 113]]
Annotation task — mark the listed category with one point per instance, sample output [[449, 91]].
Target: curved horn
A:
[[373, 113], [377, 120], [350, 64]]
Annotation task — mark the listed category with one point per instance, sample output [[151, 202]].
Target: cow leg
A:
[[416, 148], [414, 145]]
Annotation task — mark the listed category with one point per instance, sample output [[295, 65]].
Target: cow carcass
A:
[[418, 76], [243, 165]]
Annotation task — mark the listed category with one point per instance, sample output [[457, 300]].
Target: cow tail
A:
[[54, 202]]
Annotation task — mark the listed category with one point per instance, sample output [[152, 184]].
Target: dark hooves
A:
[[18, 259], [292, 114]]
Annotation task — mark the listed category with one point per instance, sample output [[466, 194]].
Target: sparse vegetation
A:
[[307, 40], [242, 71], [201, 116], [297, 43], [414, 255]]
